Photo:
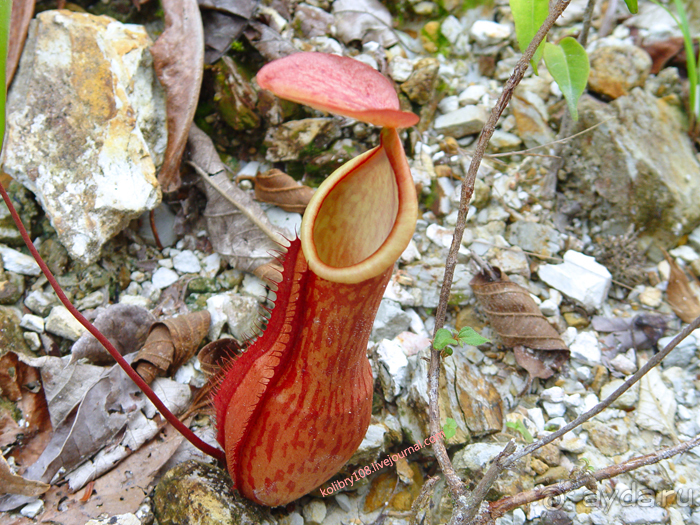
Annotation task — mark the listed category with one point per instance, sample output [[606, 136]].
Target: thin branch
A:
[[608, 400], [456, 486], [479, 493], [499, 508], [558, 141], [150, 394]]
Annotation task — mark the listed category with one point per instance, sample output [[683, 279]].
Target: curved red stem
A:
[[150, 394]]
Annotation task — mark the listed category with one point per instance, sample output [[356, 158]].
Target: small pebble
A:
[[32, 322], [164, 277], [138, 276], [32, 339], [33, 509], [186, 262], [650, 297]]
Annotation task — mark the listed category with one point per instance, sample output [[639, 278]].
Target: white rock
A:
[[32, 322], [535, 415], [400, 68], [554, 409], [549, 308], [637, 515], [62, 323], [212, 265], [411, 253], [367, 59], [465, 121], [504, 140], [651, 297], [17, 262], [240, 312], [32, 339], [572, 443], [40, 302], [580, 277], [472, 95], [686, 253], [164, 277], [186, 262], [487, 33], [254, 287], [452, 29], [286, 221], [390, 321], [135, 300], [88, 149], [344, 502], [33, 509], [449, 104], [586, 348], [554, 394], [694, 238], [626, 401], [622, 364], [392, 365], [120, 519]]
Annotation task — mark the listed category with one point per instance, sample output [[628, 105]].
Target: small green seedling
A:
[[445, 339], [520, 428], [449, 428], [568, 64]]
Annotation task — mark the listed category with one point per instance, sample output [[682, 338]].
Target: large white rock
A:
[[86, 126], [580, 277]]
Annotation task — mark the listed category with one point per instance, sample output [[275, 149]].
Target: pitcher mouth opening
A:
[[363, 215]]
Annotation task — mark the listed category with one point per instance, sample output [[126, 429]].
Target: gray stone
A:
[[616, 69], [86, 126], [32, 322], [472, 95], [531, 118], [14, 261], [465, 121], [392, 364], [534, 237], [421, 85], [617, 176], [120, 519], [363, 20], [40, 303], [164, 277], [638, 515], [240, 313], [312, 21], [626, 401], [452, 29], [186, 262], [390, 321], [62, 323], [502, 140], [370, 448], [473, 458], [400, 68], [32, 510]]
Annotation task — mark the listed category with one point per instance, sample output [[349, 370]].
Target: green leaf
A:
[[468, 336], [520, 427], [449, 428], [529, 15], [5, 12], [632, 6], [568, 64], [443, 337]]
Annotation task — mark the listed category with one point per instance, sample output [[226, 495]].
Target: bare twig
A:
[[498, 508], [608, 400], [479, 493], [455, 484]]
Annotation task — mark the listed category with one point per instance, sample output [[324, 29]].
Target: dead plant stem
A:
[[608, 400], [457, 489], [500, 507]]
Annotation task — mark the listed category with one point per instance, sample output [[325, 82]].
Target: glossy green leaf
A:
[[520, 427], [632, 6], [449, 428], [468, 336], [529, 15], [568, 64], [443, 337]]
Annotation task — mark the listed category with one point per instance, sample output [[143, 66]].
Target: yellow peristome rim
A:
[[328, 238]]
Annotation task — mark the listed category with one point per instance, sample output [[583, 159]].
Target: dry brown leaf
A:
[[234, 230], [11, 483], [170, 344], [125, 325], [223, 21], [22, 13], [268, 42], [518, 321], [663, 51], [178, 58], [276, 187], [683, 301]]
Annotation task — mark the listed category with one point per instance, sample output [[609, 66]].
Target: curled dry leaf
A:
[[268, 42], [238, 228], [519, 323], [22, 13], [11, 483], [214, 355], [223, 21], [681, 297], [276, 187], [178, 58], [170, 344]]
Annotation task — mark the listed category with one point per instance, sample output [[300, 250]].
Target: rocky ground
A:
[[591, 257]]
